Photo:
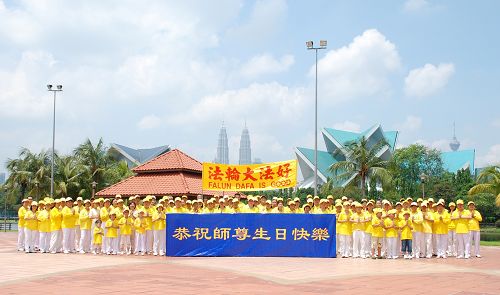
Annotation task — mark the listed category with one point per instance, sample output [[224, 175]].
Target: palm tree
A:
[[95, 160], [488, 181], [362, 163], [68, 174]]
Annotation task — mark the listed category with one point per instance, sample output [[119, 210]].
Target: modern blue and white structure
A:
[[222, 147], [245, 147]]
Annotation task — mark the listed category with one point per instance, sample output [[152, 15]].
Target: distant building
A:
[[136, 157], [257, 161], [245, 147], [2, 177], [455, 160], [222, 147]]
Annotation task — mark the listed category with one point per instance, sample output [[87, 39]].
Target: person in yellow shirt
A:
[[417, 233], [69, 216], [20, 224], [140, 230], [452, 239], [97, 233], [344, 230], [85, 227], [377, 233], [43, 217], [251, 208], [462, 217], [126, 223], [55, 227], [112, 233], [78, 205], [391, 235], [406, 227], [357, 220], [316, 205], [279, 209], [368, 214], [440, 227], [427, 221], [30, 227], [104, 216], [159, 224], [292, 207], [475, 233]]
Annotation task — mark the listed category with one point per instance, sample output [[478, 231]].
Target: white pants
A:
[[427, 250], [149, 241], [77, 237], [125, 243], [55, 241], [367, 244], [140, 242], [29, 240], [36, 238], [20, 238], [463, 245], [434, 244], [104, 239], [85, 239], [417, 243], [392, 247], [44, 241], [68, 239], [159, 242], [441, 244], [475, 237], [358, 243], [113, 245], [343, 245], [452, 243], [337, 244]]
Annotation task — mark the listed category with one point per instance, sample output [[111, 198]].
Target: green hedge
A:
[[490, 236]]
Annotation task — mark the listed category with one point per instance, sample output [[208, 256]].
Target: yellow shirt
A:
[[368, 221], [474, 222], [98, 232], [112, 226], [104, 214], [427, 223], [461, 221], [43, 221], [68, 217], [343, 224], [358, 221], [148, 217], [417, 220], [126, 224], [247, 209], [140, 225], [377, 227], [85, 221], [390, 232], [77, 210], [20, 213], [452, 225], [441, 226], [30, 221], [55, 219], [406, 226], [159, 222], [182, 210]]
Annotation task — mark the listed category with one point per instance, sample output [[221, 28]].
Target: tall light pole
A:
[[310, 46], [423, 177], [58, 88], [94, 185]]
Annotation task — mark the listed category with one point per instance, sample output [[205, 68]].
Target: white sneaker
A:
[[467, 256], [81, 252], [460, 257], [66, 252], [478, 256], [93, 252], [142, 253]]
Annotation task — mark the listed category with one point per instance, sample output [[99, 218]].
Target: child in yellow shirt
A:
[[112, 234], [406, 227], [391, 235], [97, 237], [140, 231], [126, 223]]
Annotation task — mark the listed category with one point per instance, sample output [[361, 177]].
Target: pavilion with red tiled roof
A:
[[171, 174]]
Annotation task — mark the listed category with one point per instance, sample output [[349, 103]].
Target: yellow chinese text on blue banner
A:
[[256, 177]]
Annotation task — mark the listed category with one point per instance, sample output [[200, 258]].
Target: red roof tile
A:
[[173, 160]]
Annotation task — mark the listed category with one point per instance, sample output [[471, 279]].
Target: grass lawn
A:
[[490, 243]]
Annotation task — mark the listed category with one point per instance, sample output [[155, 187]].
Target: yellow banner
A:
[[256, 177]]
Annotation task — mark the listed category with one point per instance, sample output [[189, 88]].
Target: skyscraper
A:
[[454, 143], [245, 148], [222, 147]]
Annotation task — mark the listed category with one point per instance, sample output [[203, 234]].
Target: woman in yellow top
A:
[[476, 218], [104, 216], [357, 220], [55, 228], [43, 217], [126, 223], [367, 238], [85, 227], [159, 237], [30, 227], [406, 227], [391, 234], [345, 231], [140, 230], [69, 216], [462, 217], [452, 238], [20, 224], [441, 221], [427, 221], [112, 233]]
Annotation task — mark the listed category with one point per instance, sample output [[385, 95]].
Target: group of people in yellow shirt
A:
[[364, 229]]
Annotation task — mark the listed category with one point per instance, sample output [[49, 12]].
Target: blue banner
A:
[[299, 235]]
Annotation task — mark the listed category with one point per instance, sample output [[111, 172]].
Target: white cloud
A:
[[360, 69], [411, 123], [415, 5], [347, 126], [266, 64], [428, 80], [492, 157], [149, 122]]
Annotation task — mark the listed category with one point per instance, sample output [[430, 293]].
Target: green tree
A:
[[463, 182], [362, 163], [409, 163], [67, 182], [488, 181], [95, 161]]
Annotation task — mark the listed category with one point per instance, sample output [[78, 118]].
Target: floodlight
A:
[[309, 44]]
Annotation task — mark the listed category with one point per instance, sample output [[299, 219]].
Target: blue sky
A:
[[151, 73]]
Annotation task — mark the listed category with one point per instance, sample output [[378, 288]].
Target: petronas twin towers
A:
[[223, 147]]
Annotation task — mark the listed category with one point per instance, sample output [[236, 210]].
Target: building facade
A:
[[245, 147], [222, 147]]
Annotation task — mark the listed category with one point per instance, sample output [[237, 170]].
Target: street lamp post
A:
[[310, 46], [37, 185], [423, 178], [94, 185], [58, 88], [5, 209]]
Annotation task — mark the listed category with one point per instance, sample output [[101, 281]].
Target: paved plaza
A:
[[22, 273]]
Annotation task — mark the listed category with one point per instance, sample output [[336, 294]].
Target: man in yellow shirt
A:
[[104, 216], [417, 233], [428, 220], [441, 221], [368, 213], [462, 217], [69, 216], [344, 230], [78, 205], [357, 220], [140, 230], [55, 227], [159, 225], [391, 235], [20, 224], [43, 217], [112, 233], [476, 218], [85, 227], [377, 233], [452, 238]]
